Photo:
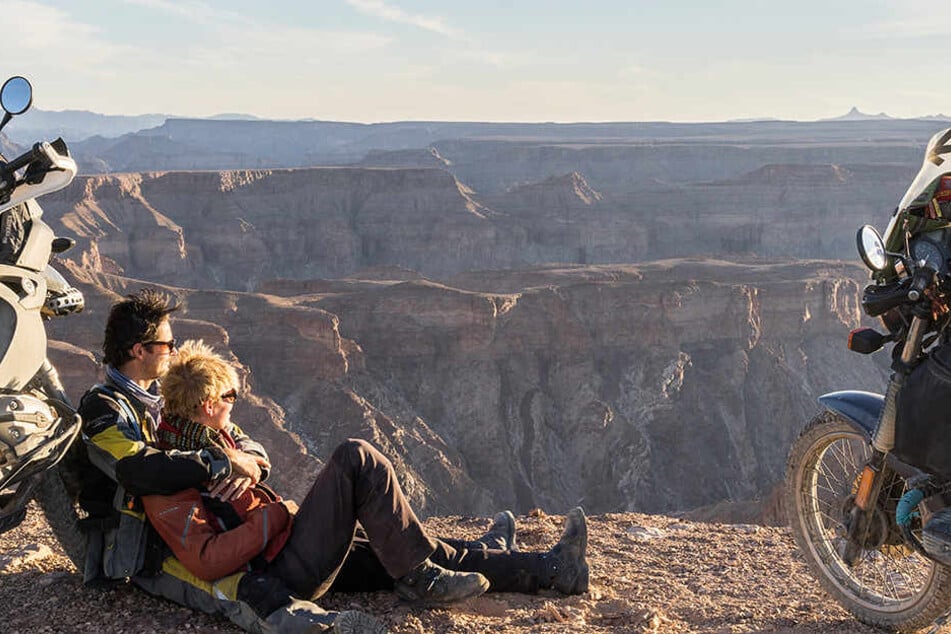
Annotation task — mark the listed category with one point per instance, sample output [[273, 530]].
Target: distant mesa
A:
[[234, 116], [857, 115]]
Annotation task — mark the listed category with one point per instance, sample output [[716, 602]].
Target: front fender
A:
[[862, 409]]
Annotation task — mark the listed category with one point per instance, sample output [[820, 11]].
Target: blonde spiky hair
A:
[[195, 375]]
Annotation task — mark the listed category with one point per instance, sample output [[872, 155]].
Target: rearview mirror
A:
[[871, 248], [16, 96]]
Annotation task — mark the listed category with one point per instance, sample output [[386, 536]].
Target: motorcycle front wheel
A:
[[888, 583]]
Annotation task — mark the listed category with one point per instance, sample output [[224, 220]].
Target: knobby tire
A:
[[914, 590]]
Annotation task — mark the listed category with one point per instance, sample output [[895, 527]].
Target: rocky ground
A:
[[648, 574]]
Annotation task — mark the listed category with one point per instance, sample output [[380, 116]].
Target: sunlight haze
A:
[[390, 60]]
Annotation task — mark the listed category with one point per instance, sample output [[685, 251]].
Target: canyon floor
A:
[[648, 574]]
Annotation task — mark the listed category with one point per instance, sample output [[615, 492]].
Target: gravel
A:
[[648, 574]]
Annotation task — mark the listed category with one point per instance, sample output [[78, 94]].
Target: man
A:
[[120, 418]]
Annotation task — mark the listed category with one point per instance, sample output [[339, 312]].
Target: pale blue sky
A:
[[387, 60]]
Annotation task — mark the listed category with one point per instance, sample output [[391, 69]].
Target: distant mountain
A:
[[7, 148], [856, 115], [234, 116], [76, 125], [753, 120]]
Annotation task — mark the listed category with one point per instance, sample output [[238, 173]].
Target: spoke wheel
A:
[[888, 583]]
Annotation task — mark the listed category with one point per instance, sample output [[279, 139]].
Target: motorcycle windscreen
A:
[[937, 163], [927, 201]]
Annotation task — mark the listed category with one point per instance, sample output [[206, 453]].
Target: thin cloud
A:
[[379, 9], [198, 12], [49, 37], [909, 18]]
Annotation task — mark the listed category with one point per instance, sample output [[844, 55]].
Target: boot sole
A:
[[353, 622], [579, 584]]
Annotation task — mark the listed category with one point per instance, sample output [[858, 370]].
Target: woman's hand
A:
[[231, 488]]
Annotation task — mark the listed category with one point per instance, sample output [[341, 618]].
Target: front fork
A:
[[47, 379], [883, 440]]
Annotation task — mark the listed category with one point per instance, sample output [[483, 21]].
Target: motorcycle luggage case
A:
[[923, 429]]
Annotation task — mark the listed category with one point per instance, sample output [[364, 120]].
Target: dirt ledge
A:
[[648, 574]]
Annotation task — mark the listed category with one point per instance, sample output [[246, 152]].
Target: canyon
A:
[[629, 317]]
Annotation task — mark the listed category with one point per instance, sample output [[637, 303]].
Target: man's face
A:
[[157, 353]]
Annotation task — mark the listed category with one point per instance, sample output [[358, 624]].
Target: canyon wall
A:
[[656, 387], [236, 229]]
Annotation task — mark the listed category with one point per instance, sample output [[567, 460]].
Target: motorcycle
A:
[[38, 424], [865, 516]]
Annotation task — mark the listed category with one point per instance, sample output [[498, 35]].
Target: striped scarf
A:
[[175, 432]]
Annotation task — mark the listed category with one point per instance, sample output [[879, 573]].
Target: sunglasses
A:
[[230, 396], [169, 345]]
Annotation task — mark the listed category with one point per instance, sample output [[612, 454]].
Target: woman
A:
[[248, 527]]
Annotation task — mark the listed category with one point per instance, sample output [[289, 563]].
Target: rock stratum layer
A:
[[237, 229]]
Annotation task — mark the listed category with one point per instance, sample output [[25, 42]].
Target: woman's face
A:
[[217, 413]]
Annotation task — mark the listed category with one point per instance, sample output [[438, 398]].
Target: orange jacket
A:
[[203, 543]]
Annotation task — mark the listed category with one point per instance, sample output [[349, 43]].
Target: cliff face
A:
[[238, 229], [654, 388], [234, 229], [616, 387]]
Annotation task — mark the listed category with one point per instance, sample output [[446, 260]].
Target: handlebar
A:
[[877, 300], [48, 168], [39, 151]]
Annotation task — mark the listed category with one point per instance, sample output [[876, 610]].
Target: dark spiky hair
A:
[[134, 320]]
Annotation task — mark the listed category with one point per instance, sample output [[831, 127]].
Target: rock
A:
[[680, 526], [25, 554], [642, 533]]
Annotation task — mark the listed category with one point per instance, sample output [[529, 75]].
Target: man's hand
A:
[[245, 465], [291, 506], [231, 488]]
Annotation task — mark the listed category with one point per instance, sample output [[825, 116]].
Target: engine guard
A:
[[48, 454]]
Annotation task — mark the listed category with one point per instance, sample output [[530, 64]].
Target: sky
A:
[[491, 60]]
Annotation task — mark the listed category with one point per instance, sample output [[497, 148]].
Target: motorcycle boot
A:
[[501, 535], [936, 536], [565, 564], [429, 583], [278, 612]]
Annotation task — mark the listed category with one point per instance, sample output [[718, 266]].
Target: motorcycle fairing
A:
[[35, 254], [915, 205], [22, 336]]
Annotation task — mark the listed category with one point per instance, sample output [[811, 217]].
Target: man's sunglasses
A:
[[230, 396], [169, 345]]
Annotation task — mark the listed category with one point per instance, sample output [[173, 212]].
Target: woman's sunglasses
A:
[[230, 396]]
